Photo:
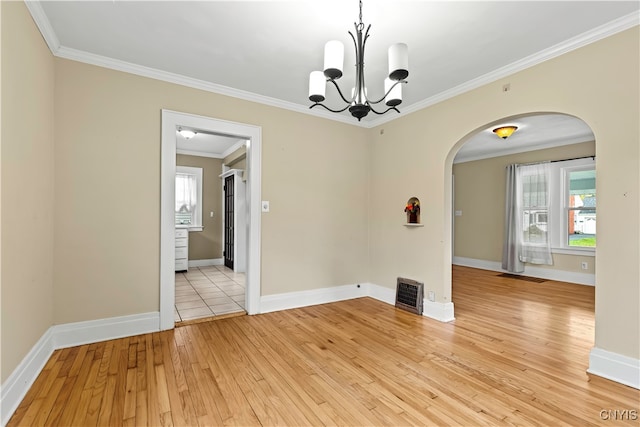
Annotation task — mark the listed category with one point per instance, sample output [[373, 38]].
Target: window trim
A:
[[197, 217]]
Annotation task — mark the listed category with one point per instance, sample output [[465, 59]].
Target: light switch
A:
[[210, 214], [265, 206]]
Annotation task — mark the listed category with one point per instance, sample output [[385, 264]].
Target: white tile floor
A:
[[208, 291]]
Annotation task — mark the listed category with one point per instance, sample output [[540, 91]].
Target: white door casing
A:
[[253, 134]]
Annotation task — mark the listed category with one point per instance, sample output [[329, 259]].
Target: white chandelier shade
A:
[[398, 61], [317, 86], [333, 59], [394, 93]]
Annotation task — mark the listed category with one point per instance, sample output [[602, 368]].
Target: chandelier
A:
[[359, 105]]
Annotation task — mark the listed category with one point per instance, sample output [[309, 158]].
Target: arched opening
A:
[[477, 195]]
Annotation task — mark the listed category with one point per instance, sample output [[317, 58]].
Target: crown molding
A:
[[43, 24], [613, 27], [598, 33]]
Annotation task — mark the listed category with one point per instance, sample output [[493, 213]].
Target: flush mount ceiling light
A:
[[505, 132], [359, 105], [186, 133]]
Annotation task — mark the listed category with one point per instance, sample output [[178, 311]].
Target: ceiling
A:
[[263, 51], [535, 132], [207, 144]]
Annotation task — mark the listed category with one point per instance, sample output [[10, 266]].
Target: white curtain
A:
[[527, 217], [512, 244], [186, 195]]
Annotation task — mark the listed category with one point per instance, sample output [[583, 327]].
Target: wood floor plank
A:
[[129, 407], [516, 354]]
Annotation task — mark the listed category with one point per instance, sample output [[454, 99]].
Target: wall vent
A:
[[409, 295]]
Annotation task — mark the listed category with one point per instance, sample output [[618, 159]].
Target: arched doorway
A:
[[477, 164]]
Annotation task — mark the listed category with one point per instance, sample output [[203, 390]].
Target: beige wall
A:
[[27, 185], [207, 244], [108, 132], [597, 83], [479, 194]]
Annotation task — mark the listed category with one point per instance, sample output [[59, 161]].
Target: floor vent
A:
[[525, 278], [409, 295]]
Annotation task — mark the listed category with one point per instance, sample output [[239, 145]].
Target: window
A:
[[580, 204], [188, 203], [573, 210]]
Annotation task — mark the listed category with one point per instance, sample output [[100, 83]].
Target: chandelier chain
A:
[[361, 24]]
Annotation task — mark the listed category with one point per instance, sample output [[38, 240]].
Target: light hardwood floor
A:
[[516, 354]]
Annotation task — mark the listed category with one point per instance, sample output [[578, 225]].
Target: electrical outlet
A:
[[431, 296], [584, 265]]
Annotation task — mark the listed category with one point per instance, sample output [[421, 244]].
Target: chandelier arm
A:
[[388, 92], [361, 66], [353, 38], [330, 109], [356, 88], [385, 111], [340, 92]]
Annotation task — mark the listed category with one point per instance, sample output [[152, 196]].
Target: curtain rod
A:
[[556, 161]]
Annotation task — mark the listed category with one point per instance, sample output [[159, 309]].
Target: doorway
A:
[[477, 204], [171, 121]]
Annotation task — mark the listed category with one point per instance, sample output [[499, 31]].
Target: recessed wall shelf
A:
[[412, 209], [413, 225]]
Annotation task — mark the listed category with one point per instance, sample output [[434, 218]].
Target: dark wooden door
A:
[[228, 222]]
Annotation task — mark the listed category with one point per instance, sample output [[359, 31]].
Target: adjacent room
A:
[[209, 217], [210, 237]]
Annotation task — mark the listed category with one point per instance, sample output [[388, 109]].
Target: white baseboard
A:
[[285, 301], [615, 367], [22, 378], [442, 311], [435, 310], [381, 293], [73, 334], [63, 336], [205, 262], [529, 270]]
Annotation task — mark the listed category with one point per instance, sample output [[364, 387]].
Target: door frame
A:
[[253, 134]]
